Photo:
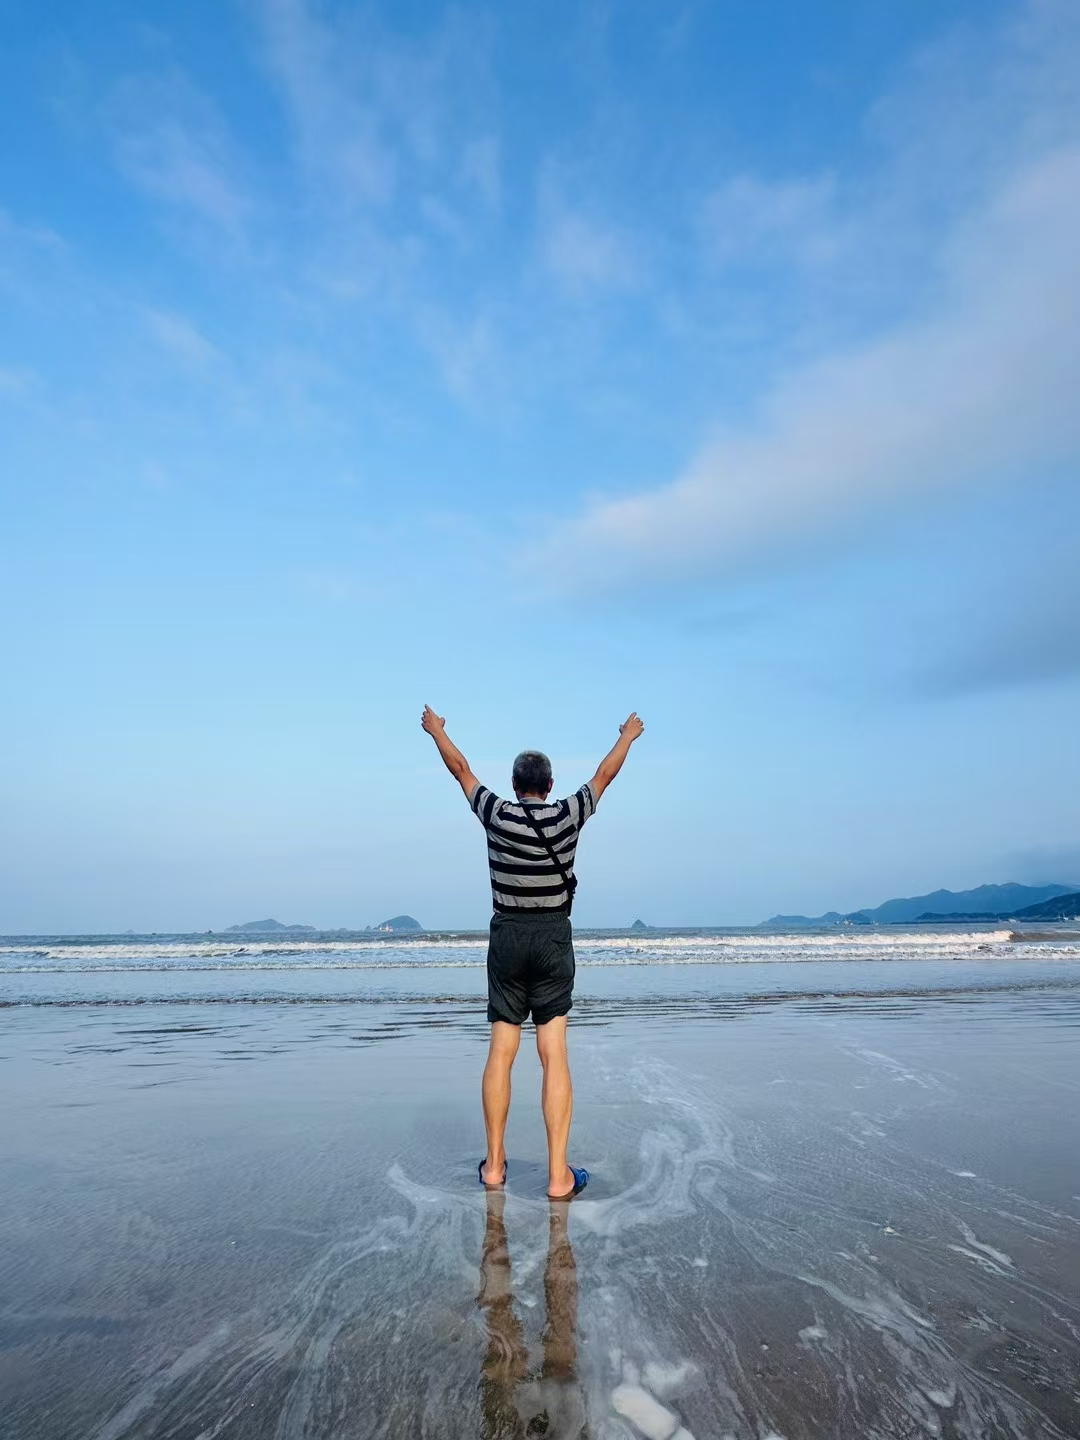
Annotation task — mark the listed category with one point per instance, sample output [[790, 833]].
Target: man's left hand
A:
[[432, 722]]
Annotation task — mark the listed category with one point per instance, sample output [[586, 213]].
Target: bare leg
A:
[[558, 1102], [502, 1052]]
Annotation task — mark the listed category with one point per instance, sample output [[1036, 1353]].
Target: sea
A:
[[613, 964]]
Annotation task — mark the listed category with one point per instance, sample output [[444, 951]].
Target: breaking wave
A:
[[470, 949]]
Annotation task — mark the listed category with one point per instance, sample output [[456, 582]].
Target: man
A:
[[531, 846]]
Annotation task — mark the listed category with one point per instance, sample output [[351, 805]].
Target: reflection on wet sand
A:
[[850, 1224], [512, 1402]]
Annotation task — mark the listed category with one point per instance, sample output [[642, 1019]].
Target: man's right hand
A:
[[632, 726], [612, 762]]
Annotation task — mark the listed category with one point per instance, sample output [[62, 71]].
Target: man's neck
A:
[[540, 798]]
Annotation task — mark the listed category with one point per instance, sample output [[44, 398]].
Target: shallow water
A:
[[829, 1198]]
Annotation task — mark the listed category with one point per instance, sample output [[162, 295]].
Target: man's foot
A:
[[491, 1176], [578, 1178]]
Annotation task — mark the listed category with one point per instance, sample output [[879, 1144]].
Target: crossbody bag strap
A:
[[569, 879]]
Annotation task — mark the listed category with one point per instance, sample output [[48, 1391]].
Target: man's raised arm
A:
[[453, 759], [612, 762]]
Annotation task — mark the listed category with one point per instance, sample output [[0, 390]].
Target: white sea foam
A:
[[645, 1413], [455, 950], [839, 942], [813, 1332], [998, 1256]]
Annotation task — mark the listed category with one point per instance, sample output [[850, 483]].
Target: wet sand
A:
[[830, 1216]]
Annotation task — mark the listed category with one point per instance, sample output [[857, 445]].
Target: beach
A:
[[835, 1192]]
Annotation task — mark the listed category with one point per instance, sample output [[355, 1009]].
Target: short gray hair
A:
[[532, 773]]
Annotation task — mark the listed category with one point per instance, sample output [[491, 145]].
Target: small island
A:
[[638, 926], [400, 924]]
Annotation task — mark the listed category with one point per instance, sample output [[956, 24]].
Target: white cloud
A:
[[173, 165], [393, 148], [584, 254], [337, 125], [369, 109], [753, 221], [464, 351], [171, 143], [985, 386], [38, 237], [183, 339]]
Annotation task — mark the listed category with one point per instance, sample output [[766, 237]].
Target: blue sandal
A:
[[501, 1183], [581, 1179]]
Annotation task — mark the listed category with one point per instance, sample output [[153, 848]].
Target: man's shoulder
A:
[[484, 801], [583, 793]]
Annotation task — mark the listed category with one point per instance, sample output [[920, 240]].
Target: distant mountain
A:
[[399, 922], [965, 917], [1063, 907], [984, 902], [269, 927], [831, 917], [984, 899], [639, 925]]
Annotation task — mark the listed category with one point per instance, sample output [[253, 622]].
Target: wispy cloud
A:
[[750, 221], [399, 167], [14, 233], [28, 255], [464, 351], [182, 339], [174, 165], [171, 142], [583, 251], [337, 125], [584, 254], [370, 110]]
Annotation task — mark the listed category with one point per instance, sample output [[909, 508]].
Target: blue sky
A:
[[714, 360]]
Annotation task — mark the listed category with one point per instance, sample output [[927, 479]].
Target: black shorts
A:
[[530, 967]]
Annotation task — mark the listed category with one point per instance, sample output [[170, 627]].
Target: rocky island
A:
[[400, 924]]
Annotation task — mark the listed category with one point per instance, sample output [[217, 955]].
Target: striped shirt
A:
[[523, 875]]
